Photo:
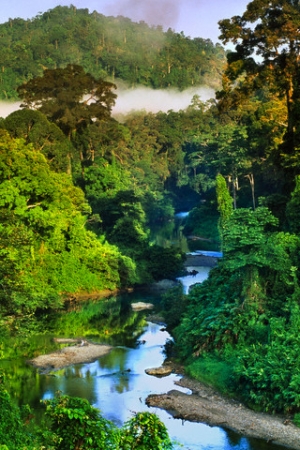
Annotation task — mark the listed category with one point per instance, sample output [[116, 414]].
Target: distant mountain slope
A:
[[107, 47]]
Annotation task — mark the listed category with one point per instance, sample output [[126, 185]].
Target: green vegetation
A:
[[201, 226], [246, 314], [72, 423], [76, 424], [214, 371], [46, 250], [15, 429], [239, 328], [73, 217], [144, 431], [81, 192], [113, 47]]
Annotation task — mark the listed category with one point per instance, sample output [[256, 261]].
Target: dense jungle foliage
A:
[[75, 211], [81, 191], [113, 47], [240, 328]]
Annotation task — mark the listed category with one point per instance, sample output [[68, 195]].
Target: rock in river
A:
[[162, 371]]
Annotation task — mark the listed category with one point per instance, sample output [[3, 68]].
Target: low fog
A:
[[141, 98], [151, 100], [7, 107]]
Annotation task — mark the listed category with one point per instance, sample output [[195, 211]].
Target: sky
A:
[[196, 18]]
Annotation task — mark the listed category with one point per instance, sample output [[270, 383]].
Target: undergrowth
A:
[[214, 372]]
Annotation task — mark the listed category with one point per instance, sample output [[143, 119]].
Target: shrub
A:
[[78, 425], [145, 431], [14, 433]]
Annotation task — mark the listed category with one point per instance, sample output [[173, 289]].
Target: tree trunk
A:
[[250, 177]]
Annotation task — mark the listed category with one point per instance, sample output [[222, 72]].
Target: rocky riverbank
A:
[[206, 405], [203, 404]]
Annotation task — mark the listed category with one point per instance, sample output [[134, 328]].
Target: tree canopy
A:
[[69, 97], [266, 39], [45, 248], [82, 193], [112, 48]]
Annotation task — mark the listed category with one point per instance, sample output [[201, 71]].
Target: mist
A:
[[141, 99], [155, 100], [166, 13], [7, 108]]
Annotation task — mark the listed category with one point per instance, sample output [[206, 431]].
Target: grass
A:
[[214, 372]]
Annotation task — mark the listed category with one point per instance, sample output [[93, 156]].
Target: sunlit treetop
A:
[[267, 29], [267, 49]]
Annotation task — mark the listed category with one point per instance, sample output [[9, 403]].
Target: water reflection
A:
[[118, 385]]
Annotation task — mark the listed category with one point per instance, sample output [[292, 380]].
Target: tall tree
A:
[[267, 45], [224, 205], [70, 97]]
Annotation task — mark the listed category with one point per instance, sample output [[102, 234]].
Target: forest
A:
[[80, 191], [113, 47]]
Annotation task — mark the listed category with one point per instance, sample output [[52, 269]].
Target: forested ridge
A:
[[80, 193], [113, 47]]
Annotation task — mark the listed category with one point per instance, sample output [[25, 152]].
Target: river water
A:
[[118, 385]]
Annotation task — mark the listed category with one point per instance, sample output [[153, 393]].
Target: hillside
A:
[[107, 47]]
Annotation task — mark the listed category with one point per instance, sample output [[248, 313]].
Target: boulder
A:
[[162, 371]]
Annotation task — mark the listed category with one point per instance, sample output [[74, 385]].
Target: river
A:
[[117, 383]]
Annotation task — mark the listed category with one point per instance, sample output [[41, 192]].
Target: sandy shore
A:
[[75, 354], [205, 405]]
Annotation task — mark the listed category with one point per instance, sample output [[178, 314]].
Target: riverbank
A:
[[193, 260], [206, 405], [203, 405], [98, 295]]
